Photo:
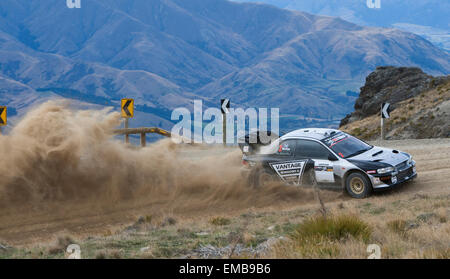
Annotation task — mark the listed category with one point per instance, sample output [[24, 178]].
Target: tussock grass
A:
[[442, 215], [437, 254], [333, 228], [61, 245], [220, 221], [169, 221], [322, 237], [397, 226], [108, 254]]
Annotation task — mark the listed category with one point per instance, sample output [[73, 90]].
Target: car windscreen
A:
[[345, 145]]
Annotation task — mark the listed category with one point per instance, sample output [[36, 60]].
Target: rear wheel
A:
[[262, 178], [358, 185], [309, 178]]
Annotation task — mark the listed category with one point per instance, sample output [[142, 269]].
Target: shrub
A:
[[333, 228], [61, 245], [220, 221], [108, 254], [319, 237], [397, 226], [356, 132], [437, 254], [377, 211], [169, 221]]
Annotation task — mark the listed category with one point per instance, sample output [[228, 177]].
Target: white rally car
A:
[[330, 158]]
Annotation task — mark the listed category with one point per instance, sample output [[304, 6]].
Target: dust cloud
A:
[[59, 154]]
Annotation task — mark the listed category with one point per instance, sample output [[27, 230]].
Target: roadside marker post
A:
[[143, 140], [224, 105], [3, 117], [127, 137], [127, 107], [385, 114]]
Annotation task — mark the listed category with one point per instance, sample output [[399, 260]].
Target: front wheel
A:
[[358, 185]]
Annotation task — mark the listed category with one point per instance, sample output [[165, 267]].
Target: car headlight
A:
[[385, 170], [410, 160]]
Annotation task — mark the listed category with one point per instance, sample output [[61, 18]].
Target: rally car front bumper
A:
[[396, 178]]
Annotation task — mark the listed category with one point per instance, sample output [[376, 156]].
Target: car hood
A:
[[382, 155]]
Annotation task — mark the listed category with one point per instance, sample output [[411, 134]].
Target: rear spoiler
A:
[[252, 143]]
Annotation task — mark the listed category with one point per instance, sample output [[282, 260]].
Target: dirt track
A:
[[32, 223], [433, 164]]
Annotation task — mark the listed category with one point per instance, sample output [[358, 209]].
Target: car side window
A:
[[311, 149], [286, 148]]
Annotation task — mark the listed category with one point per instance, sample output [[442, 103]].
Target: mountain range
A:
[[427, 18], [166, 53]]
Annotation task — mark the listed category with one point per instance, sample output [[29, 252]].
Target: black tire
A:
[[358, 185], [309, 178], [261, 177]]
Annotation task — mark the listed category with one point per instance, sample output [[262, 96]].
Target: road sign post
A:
[[143, 140], [385, 114], [224, 105], [127, 107], [127, 137]]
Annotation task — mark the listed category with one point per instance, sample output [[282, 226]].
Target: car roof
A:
[[314, 133]]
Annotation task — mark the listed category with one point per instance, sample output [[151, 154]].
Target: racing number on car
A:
[[284, 148]]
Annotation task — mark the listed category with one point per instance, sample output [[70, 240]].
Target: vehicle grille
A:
[[406, 173], [402, 166]]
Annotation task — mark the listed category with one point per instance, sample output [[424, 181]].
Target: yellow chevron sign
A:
[[127, 106], [3, 116]]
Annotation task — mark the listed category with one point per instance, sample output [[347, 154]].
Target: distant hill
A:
[[420, 105], [427, 18], [165, 53]]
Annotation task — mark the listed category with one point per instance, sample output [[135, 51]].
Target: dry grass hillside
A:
[[424, 116]]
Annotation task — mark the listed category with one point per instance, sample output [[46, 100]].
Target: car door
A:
[[284, 164], [323, 166]]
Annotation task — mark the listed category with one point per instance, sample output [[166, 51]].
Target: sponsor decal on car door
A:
[[290, 171], [324, 171]]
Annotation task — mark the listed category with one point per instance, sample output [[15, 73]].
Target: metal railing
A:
[[143, 132]]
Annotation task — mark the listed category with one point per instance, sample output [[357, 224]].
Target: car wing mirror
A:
[[331, 157]]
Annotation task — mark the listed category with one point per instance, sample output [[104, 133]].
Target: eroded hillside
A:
[[421, 106]]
